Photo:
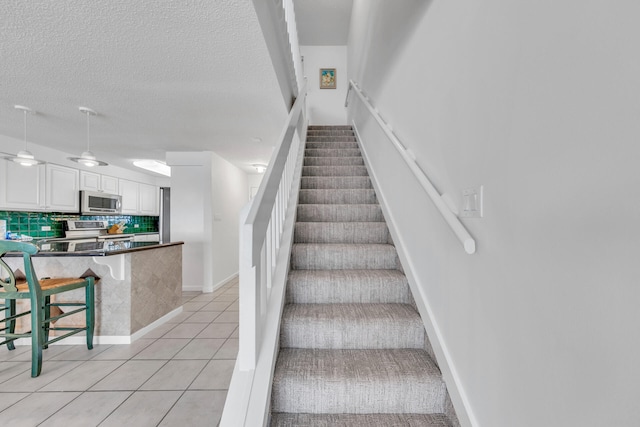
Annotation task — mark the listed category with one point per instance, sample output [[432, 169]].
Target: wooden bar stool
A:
[[39, 293]]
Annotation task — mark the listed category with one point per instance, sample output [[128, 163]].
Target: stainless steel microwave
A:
[[97, 203]]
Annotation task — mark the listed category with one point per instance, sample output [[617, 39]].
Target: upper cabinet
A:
[[22, 187], [55, 188], [61, 189], [138, 198], [97, 182]]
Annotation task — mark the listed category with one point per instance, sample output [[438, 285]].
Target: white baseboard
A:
[[110, 339], [450, 374], [216, 286]]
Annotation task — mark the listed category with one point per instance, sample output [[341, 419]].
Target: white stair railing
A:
[[260, 237], [266, 236], [450, 218]]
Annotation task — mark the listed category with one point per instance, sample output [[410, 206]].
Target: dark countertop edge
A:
[[149, 246], [126, 251]]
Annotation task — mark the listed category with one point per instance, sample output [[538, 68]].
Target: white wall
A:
[[191, 216], [207, 193], [539, 102], [325, 106], [229, 185], [253, 181]]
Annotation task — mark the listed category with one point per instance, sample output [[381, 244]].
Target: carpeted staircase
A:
[[353, 350]]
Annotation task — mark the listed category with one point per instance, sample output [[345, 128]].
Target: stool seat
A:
[[46, 284], [39, 293]]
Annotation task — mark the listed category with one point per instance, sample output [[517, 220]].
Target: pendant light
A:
[[87, 158], [24, 157]]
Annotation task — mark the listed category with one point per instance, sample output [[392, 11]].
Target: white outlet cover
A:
[[472, 202]]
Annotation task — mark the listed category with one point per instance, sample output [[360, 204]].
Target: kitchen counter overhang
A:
[[140, 286]]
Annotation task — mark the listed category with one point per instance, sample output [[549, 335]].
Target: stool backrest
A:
[[9, 278]]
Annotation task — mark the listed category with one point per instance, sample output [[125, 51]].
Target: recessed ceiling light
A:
[[256, 139], [154, 166], [260, 167]]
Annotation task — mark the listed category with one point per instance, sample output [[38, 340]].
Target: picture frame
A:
[[328, 78]]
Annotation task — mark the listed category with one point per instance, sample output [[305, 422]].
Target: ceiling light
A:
[[260, 167], [154, 166], [24, 157], [87, 158]]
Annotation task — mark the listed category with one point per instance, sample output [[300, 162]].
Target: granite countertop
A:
[[69, 249]]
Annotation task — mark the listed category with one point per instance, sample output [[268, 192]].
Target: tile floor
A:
[[177, 374]]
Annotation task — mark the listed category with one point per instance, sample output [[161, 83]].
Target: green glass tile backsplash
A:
[[31, 223]]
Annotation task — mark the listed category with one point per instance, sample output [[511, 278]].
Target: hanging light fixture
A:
[[24, 157], [87, 158]]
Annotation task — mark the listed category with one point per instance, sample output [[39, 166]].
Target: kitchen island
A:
[[139, 286]]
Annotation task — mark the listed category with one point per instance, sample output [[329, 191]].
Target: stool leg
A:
[[47, 316], [36, 337], [90, 310], [10, 310]]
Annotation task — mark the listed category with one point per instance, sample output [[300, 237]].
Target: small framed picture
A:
[[327, 78]]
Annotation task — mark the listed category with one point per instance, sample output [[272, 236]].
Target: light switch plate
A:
[[472, 201]]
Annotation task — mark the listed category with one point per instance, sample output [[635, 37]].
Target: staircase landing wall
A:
[[538, 102]]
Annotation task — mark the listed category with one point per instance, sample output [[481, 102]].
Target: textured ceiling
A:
[[323, 22], [162, 75]]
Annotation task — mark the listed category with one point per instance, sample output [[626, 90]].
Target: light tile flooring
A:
[[177, 374]]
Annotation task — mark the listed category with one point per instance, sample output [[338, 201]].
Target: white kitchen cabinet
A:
[[62, 193], [148, 200], [129, 192], [97, 182], [109, 184], [139, 198], [22, 187]]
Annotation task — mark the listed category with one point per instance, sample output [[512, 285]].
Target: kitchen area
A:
[[86, 223]]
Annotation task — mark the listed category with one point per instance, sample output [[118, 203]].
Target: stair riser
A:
[[334, 171], [337, 197], [349, 141], [331, 146], [339, 213], [341, 232], [333, 161], [359, 420], [344, 183], [343, 257], [343, 128], [351, 326], [331, 153], [365, 287]]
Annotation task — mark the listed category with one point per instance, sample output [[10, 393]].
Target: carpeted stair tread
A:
[[335, 182], [332, 145], [323, 256], [339, 213], [351, 326], [348, 152], [331, 142], [359, 420], [337, 196], [333, 161], [347, 286], [357, 381], [341, 232], [334, 171]]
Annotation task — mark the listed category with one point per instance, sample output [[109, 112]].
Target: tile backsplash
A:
[[31, 223]]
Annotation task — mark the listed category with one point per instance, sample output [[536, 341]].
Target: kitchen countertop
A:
[[61, 248]]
